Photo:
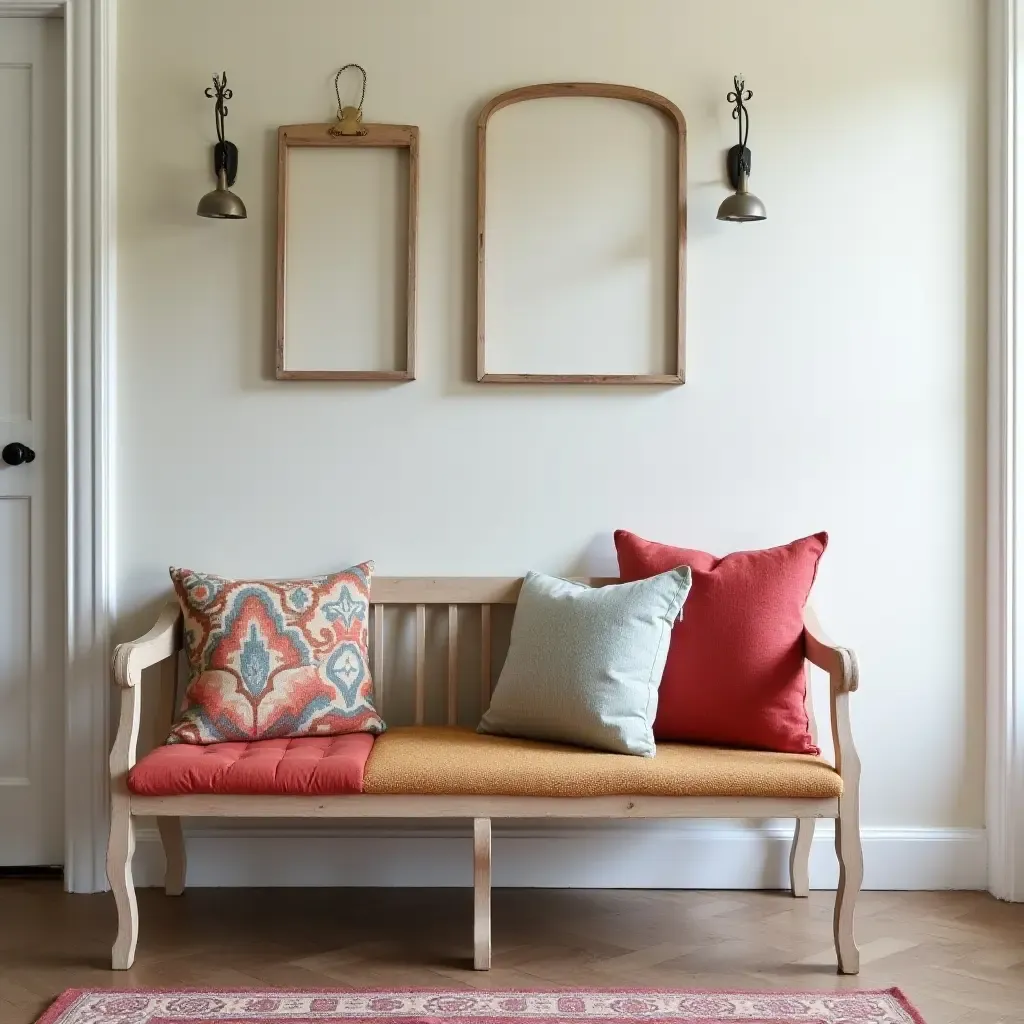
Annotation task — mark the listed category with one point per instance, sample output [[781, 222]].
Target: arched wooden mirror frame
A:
[[600, 90]]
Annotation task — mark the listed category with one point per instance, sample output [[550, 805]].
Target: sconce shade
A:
[[220, 204], [742, 205]]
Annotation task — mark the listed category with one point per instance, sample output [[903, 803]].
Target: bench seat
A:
[[455, 761], [311, 766]]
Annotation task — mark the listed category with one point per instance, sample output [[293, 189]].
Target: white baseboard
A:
[[637, 855]]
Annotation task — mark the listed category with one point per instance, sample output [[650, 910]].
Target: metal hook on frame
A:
[[350, 119]]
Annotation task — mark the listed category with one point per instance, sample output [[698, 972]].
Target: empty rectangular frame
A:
[[587, 237], [346, 252]]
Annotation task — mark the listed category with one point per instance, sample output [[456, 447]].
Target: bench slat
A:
[[453, 664], [485, 657], [421, 656], [378, 658]]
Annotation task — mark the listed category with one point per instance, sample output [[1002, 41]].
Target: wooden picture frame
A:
[[394, 136], [603, 91]]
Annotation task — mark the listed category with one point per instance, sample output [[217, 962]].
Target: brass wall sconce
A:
[[742, 205], [221, 204]]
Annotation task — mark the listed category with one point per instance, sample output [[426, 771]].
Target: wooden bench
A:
[[775, 774]]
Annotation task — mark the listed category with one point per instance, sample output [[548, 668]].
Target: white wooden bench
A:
[[163, 642]]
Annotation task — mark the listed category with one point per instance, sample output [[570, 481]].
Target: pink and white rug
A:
[[105, 1006]]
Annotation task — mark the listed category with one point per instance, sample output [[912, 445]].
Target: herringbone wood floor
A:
[[958, 956]]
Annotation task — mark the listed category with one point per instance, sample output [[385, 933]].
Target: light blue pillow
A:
[[584, 663]]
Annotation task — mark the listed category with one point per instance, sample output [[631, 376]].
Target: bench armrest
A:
[[161, 642], [844, 678], [839, 662]]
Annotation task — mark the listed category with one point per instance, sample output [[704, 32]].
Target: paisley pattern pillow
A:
[[275, 659]]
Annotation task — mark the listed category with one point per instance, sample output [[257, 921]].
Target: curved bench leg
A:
[[482, 894], [173, 841], [120, 848], [800, 858], [851, 874]]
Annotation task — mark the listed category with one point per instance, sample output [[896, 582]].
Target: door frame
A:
[[1004, 811], [90, 163]]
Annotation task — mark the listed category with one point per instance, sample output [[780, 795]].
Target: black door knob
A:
[[15, 453]]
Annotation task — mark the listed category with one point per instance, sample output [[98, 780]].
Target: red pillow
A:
[[735, 673]]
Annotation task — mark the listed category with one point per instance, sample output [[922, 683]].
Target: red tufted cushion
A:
[[308, 766]]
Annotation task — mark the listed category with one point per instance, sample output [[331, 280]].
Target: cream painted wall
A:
[[835, 351]]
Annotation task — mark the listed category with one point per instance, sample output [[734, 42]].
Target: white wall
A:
[[835, 351]]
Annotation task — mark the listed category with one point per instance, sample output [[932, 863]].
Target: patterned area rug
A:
[[105, 1006]]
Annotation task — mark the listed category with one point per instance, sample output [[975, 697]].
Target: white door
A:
[[32, 636]]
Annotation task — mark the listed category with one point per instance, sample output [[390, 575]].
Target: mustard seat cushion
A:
[[451, 761]]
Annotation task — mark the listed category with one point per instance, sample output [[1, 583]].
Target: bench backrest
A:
[[468, 637], [437, 645]]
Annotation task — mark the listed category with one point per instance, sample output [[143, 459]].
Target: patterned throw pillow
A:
[[275, 659]]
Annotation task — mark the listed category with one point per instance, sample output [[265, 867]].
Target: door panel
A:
[[15, 217], [15, 642], [32, 559]]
